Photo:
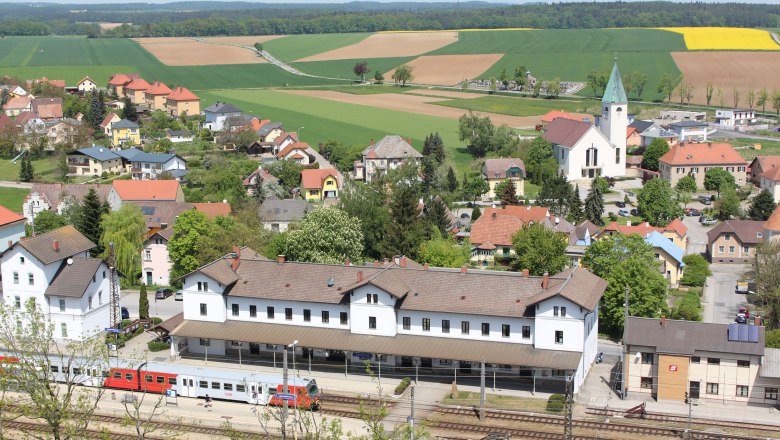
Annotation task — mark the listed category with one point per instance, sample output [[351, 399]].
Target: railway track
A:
[[26, 427], [668, 418]]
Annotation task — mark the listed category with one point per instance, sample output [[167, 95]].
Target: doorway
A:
[[694, 390]]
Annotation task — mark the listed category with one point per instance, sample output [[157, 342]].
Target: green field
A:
[[295, 47], [72, 58], [343, 68], [42, 168], [349, 124], [13, 198], [521, 106]]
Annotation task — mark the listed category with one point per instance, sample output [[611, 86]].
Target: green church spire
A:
[[615, 93]]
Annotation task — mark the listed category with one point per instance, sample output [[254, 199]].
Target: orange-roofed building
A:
[[633, 138], [320, 184], [17, 105], [182, 101], [772, 225], [155, 96], [11, 228], [675, 231], [136, 90], [118, 81], [553, 114], [213, 210], [123, 191], [295, 151], [695, 159]]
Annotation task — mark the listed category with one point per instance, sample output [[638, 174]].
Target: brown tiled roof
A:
[[290, 147], [120, 79], [86, 78], [772, 173], [8, 217], [555, 114], [73, 279], [747, 231], [170, 323], [565, 132], [580, 287], [264, 174], [527, 214], [677, 226], [55, 193], [688, 337], [182, 94], [766, 163], [109, 118], [498, 229], [702, 154], [644, 228], [212, 210], [221, 272], [18, 102], [71, 242], [314, 178], [773, 222], [159, 213], [129, 190], [47, 108], [497, 168]]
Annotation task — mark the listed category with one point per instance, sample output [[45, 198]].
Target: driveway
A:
[[697, 234], [163, 308], [719, 300]]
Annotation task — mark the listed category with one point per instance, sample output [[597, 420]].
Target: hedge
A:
[[156, 320], [556, 402], [158, 346], [405, 382]]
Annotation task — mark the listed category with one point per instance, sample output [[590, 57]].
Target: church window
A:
[[620, 109]]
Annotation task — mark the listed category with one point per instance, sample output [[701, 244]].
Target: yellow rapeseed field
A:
[[725, 38]]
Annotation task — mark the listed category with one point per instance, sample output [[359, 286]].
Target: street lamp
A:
[[292, 346], [298, 134]]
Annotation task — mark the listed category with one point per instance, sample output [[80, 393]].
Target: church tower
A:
[[614, 112]]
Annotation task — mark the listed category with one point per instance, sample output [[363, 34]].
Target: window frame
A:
[[426, 324], [644, 381], [505, 330], [406, 323], [445, 325], [559, 337], [372, 322], [485, 329], [204, 309], [325, 316], [742, 391], [713, 388], [526, 332]]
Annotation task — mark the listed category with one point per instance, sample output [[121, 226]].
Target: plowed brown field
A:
[[728, 71], [243, 40], [448, 70], [188, 52], [405, 44]]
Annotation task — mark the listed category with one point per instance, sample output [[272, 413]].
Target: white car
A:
[[178, 296]]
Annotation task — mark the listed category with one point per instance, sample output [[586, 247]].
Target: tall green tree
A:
[[556, 193], [656, 202], [762, 206], [728, 205], [129, 111], [326, 235], [476, 213], [444, 252], [505, 190], [653, 152], [475, 188], [765, 273], [88, 220], [433, 147], [436, 213], [452, 181], [403, 74], [192, 234], [576, 211], [405, 230], [367, 203], [686, 184], [626, 261], [667, 84], [594, 205], [125, 229], [716, 179], [539, 250], [539, 154], [25, 169], [143, 303]]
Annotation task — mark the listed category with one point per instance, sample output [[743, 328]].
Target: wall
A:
[[383, 311], [215, 303], [298, 307], [159, 263], [475, 326], [672, 377], [738, 256], [39, 204], [11, 233], [571, 325], [519, 187], [42, 276]]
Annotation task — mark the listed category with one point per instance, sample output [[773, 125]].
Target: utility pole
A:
[[482, 392], [411, 417], [623, 367], [688, 401], [115, 315], [567, 434], [32, 218], [285, 390]]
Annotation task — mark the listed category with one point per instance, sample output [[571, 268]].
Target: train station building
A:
[[401, 316]]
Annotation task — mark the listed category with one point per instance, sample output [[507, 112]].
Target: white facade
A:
[[734, 117], [151, 170], [593, 155], [613, 123], [155, 262], [87, 85]]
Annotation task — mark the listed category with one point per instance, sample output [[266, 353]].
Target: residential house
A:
[[735, 241], [94, 161], [216, 114], [320, 184], [268, 131], [675, 231], [118, 81], [695, 159], [72, 290], [57, 197], [47, 108], [182, 101], [155, 96], [690, 131], [770, 180], [123, 191], [178, 136], [264, 176], [110, 118], [136, 90], [540, 326], [86, 85], [57, 84], [277, 215], [14, 89], [388, 154], [763, 165], [671, 360], [734, 117], [125, 132], [296, 152], [496, 171], [146, 166], [11, 228], [282, 141], [633, 138], [658, 132], [580, 238], [63, 131], [18, 104], [772, 225], [670, 256]]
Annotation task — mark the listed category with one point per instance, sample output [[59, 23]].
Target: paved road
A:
[[737, 134], [9, 184], [719, 300], [163, 308]]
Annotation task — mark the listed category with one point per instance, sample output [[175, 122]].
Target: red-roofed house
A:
[[155, 96], [110, 118], [554, 114], [136, 90], [295, 151], [118, 81], [496, 171], [695, 159], [633, 138], [320, 184], [182, 101], [11, 228], [144, 191], [213, 210], [47, 108], [18, 104], [86, 85]]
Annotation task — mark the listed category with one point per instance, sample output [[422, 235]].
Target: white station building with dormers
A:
[[441, 320]]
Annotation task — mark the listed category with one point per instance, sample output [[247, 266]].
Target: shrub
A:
[[405, 382], [773, 338], [613, 217], [156, 320], [126, 323], [158, 346], [697, 269], [688, 307], [556, 402]]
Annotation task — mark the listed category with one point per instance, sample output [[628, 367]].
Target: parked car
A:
[[163, 293], [705, 200], [623, 213], [740, 319], [744, 311], [178, 296], [707, 221], [125, 313], [692, 212], [620, 204], [635, 212]]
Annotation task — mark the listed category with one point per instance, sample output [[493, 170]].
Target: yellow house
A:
[[93, 161], [182, 101], [125, 132], [136, 90], [156, 95], [319, 184], [498, 170], [670, 256]]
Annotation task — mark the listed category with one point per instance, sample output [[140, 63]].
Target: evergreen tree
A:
[[433, 147], [452, 181], [428, 168], [25, 169], [555, 194], [594, 205], [506, 193], [576, 215], [762, 206], [143, 303], [89, 220], [129, 112], [437, 216], [476, 213], [258, 190], [405, 231], [95, 111]]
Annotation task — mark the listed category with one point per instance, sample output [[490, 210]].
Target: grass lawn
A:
[[42, 168], [767, 147], [13, 198], [624, 220], [521, 106], [343, 68], [497, 401], [347, 123], [295, 47]]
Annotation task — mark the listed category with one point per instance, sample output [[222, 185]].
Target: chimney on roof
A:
[[236, 261], [545, 280], [528, 208], [526, 273], [347, 262], [55, 245], [709, 144], [376, 263], [663, 321], [425, 266], [360, 276], [10, 243], [372, 142], [385, 261], [647, 224], [493, 215], [402, 262], [280, 259], [464, 269]]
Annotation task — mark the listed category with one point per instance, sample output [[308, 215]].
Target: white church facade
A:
[[586, 151]]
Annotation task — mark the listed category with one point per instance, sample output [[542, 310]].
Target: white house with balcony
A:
[[149, 166], [404, 317], [69, 287]]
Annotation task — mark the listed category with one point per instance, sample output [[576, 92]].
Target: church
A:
[[584, 150]]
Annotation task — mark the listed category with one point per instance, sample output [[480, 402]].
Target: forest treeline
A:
[[273, 19]]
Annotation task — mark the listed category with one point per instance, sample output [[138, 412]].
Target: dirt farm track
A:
[[728, 71]]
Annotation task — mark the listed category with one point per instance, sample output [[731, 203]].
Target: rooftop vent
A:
[[330, 282]]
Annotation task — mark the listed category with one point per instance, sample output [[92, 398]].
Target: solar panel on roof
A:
[[752, 333], [743, 332], [733, 332]]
